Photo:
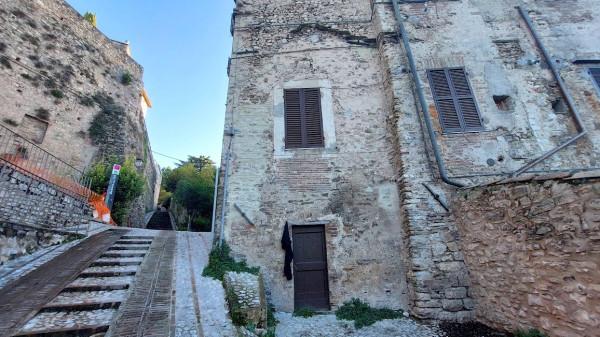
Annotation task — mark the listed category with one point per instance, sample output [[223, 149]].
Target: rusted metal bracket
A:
[[243, 214]]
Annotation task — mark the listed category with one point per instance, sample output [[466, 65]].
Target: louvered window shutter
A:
[[595, 72], [303, 118], [454, 100]]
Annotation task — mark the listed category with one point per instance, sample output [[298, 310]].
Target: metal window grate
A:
[[303, 118], [454, 100]]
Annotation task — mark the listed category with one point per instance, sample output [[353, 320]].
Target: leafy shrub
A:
[[363, 315], [304, 312], [110, 114], [529, 333], [129, 187], [86, 101], [221, 262], [126, 79], [91, 18], [10, 122], [57, 93], [235, 311], [5, 62], [42, 113]]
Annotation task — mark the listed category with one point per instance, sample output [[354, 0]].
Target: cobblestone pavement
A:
[[198, 299], [329, 326]]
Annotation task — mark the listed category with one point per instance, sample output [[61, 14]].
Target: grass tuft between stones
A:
[[221, 262], [304, 312], [529, 333], [363, 315]]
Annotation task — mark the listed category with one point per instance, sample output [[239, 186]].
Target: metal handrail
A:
[[25, 156]]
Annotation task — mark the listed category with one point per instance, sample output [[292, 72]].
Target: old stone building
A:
[[72, 90], [355, 122]]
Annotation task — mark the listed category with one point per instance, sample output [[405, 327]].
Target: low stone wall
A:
[[533, 252], [27, 200], [18, 240], [246, 298]]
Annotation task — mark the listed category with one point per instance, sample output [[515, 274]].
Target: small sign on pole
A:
[[112, 186]]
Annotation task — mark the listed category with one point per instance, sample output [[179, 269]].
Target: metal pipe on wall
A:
[[215, 196], [564, 91], [422, 101], [427, 119]]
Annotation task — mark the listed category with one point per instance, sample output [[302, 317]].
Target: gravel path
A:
[[329, 326]]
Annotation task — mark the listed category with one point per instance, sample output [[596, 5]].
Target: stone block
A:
[[452, 305], [456, 293]]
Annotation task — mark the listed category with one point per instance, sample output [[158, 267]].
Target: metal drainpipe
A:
[[225, 181], [215, 196], [422, 102], [564, 91]]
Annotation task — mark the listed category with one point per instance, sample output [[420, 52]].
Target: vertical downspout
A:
[[225, 181], [564, 91], [422, 102], [214, 208]]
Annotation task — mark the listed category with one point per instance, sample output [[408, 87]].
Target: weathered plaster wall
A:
[[352, 49], [349, 185], [533, 251], [492, 42], [53, 64]]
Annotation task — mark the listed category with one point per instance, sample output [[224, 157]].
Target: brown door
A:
[[311, 288]]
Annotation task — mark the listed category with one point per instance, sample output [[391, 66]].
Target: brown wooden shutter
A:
[[454, 100], [293, 119], [303, 118]]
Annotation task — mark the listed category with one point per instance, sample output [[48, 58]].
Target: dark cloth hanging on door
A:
[[286, 244]]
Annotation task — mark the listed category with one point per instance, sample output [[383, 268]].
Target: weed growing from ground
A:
[[304, 312], [221, 262], [529, 333], [363, 315]]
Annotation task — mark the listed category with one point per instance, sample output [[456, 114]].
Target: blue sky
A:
[[183, 46]]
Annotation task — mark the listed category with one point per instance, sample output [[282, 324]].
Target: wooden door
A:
[[311, 288]]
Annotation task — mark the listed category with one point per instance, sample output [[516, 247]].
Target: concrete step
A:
[[85, 297], [81, 306], [128, 261], [137, 237], [101, 281], [129, 247], [134, 242], [96, 287], [124, 253]]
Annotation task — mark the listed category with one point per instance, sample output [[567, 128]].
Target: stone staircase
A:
[[160, 221]]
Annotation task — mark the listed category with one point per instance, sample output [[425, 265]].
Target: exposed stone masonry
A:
[[246, 296], [388, 240], [24, 199], [56, 75], [533, 251]]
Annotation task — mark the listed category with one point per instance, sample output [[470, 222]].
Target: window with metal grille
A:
[[454, 100], [595, 72], [303, 120]]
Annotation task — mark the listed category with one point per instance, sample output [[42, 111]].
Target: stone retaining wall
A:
[[27, 200], [533, 251], [246, 298], [18, 240]]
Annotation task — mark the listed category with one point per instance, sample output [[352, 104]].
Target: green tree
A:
[[199, 162], [129, 187], [192, 186]]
